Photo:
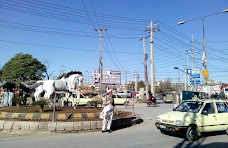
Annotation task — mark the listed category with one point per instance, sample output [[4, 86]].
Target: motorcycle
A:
[[151, 103]]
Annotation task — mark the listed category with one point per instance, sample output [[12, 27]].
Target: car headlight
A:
[[179, 122], [158, 119]]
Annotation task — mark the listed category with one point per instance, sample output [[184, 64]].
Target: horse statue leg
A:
[[37, 93]]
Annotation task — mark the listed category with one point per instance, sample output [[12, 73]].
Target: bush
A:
[[17, 100], [41, 104]]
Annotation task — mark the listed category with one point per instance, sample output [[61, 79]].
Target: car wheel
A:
[[192, 133], [69, 104], [163, 132], [89, 104]]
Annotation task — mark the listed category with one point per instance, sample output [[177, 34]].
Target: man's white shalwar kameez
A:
[[106, 115]]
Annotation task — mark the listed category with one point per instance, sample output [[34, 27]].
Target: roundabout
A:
[[66, 119]]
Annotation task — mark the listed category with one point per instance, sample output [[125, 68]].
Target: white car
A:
[[119, 100], [195, 117], [82, 101], [124, 94]]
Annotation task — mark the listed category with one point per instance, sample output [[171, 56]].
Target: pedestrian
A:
[[216, 95], [6, 97], [110, 98], [107, 115], [11, 95], [222, 95]]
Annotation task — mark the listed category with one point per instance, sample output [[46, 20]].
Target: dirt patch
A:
[[69, 111]]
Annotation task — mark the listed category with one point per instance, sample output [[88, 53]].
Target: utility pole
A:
[[151, 31], [193, 51], [145, 66], [100, 80], [185, 83], [136, 82], [126, 81]]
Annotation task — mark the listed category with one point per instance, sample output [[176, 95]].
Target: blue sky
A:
[[62, 34]]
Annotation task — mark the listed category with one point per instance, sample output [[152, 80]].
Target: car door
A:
[[83, 100], [222, 115], [208, 121]]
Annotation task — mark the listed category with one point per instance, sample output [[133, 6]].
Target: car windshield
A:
[[189, 106]]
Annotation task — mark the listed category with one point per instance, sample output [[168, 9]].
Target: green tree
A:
[[23, 67]]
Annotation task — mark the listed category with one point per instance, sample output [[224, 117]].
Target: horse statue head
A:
[[74, 76]]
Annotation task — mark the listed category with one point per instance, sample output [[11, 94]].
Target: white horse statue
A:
[[69, 82]]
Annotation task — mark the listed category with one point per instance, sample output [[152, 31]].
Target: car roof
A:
[[206, 100]]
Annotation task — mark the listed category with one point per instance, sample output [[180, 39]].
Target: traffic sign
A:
[[196, 71], [195, 76], [191, 82], [197, 82], [189, 71]]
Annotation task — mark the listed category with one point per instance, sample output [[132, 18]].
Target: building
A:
[[110, 78]]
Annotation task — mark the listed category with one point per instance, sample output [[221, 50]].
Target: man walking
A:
[[106, 115]]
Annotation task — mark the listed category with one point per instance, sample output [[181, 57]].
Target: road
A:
[[144, 135]]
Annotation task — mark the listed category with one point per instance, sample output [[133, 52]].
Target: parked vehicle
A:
[[169, 97], [195, 117], [119, 100], [84, 100], [125, 94]]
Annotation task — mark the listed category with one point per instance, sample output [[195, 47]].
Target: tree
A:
[[23, 67], [165, 86], [141, 84], [47, 64]]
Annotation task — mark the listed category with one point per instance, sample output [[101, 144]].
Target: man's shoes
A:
[[109, 131], [103, 131]]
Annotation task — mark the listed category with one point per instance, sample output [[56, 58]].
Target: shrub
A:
[[41, 104]]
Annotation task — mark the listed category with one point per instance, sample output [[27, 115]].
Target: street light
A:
[[203, 41], [178, 85]]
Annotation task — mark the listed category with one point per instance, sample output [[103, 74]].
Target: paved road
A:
[[144, 135]]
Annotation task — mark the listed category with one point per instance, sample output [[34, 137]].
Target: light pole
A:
[[178, 85], [204, 62]]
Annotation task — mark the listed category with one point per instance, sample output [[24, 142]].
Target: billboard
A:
[[109, 77]]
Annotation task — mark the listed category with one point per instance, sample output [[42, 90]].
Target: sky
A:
[[62, 35]]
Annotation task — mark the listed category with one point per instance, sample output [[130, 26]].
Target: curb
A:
[[77, 126], [48, 116]]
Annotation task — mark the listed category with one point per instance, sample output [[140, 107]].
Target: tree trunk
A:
[[41, 108], [18, 105]]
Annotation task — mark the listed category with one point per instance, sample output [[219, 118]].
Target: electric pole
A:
[[145, 66], [136, 82], [193, 51], [100, 80], [151, 31]]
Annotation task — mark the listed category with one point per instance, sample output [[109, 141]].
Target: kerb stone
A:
[[99, 124], [25, 125], [2, 122], [17, 125], [52, 126], [43, 126], [69, 126], [93, 125], [77, 126], [61, 126], [34, 126], [86, 125], [8, 125]]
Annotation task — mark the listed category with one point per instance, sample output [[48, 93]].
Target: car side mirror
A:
[[205, 112]]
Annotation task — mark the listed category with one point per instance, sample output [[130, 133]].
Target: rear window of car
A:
[[221, 107]]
